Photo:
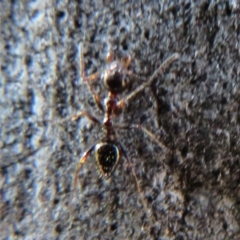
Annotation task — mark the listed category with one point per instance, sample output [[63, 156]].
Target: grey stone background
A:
[[192, 191]]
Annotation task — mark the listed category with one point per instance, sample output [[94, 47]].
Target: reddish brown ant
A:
[[115, 79]]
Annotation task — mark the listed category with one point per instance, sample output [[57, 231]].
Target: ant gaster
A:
[[115, 78]]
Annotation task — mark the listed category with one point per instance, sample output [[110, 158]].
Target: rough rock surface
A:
[[191, 191]]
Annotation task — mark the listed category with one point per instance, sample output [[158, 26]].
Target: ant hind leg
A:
[[144, 202], [81, 162]]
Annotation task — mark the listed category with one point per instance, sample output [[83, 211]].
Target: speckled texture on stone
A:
[[192, 191]]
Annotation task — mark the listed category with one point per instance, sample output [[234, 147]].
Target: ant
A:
[[115, 79]]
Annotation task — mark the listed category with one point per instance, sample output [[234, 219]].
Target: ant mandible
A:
[[115, 79]]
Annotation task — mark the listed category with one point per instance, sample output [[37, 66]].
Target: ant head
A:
[[107, 156], [115, 78]]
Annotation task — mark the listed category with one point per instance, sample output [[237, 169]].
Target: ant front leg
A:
[[93, 76], [88, 79], [161, 68]]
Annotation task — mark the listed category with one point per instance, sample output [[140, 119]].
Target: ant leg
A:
[[75, 179], [81, 162], [89, 78], [86, 114], [136, 179], [151, 135], [109, 55], [93, 76], [147, 132], [75, 117], [162, 67], [127, 60]]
